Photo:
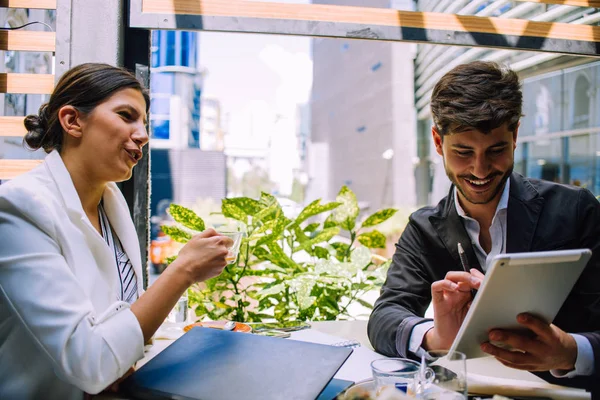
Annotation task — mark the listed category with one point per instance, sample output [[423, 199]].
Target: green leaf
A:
[[171, 259], [267, 199], [240, 208], [372, 240], [277, 228], [364, 303], [311, 227], [313, 209], [321, 252], [329, 222], [278, 257], [379, 217], [345, 215], [186, 217], [361, 257], [268, 213], [340, 249], [177, 234], [323, 236]]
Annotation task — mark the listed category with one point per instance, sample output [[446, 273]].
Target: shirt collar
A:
[[502, 204]]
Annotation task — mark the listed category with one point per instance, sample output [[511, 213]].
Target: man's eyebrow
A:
[[465, 147]]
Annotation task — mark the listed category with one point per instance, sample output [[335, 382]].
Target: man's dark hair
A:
[[481, 95]]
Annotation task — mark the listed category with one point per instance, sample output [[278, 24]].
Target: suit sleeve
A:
[[404, 297], [588, 285], [89, 350]]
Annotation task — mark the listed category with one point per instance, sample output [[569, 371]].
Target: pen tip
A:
[[460, 247]]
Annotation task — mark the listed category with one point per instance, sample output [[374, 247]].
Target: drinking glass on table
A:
[[236, 236], [398, 373], [450, 379]]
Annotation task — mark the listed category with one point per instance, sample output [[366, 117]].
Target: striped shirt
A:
[[126, 275]]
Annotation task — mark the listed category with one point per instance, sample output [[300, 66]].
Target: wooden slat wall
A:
[[17, 40], [10, 169], [43, 4], [374, 16], [12, 127], [579, 3], [27, 41], [26, 83]]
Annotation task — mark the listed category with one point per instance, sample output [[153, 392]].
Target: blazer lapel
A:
[[524, 209], [95, 245], [120, 220], [450, 229]]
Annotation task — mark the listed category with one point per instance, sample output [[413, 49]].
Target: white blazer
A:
[[63, 330]]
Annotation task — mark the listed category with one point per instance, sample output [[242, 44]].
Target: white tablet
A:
[[537, 283]]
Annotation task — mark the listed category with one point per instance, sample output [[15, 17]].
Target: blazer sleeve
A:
[[87, 350], [587, 288], [404, 297]]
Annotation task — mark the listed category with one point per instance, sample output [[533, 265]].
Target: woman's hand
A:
[[203, 257]]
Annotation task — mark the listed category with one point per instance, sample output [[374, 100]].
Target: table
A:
[[485, 375]]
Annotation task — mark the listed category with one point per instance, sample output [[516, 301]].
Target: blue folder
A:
[[211, 364]]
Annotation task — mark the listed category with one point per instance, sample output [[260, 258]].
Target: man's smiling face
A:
[[478, 164]]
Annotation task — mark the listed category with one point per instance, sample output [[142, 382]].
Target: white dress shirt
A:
[[62, 329], [584, 364]]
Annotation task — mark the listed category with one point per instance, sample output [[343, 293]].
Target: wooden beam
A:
[[578, 3], [10, 169], [12, 126], [43, 4], [374, 17], [26, 83], [27, 40]]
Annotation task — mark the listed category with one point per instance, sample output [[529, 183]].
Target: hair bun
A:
[[36, 126]]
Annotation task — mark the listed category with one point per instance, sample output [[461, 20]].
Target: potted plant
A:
[[290, 269]]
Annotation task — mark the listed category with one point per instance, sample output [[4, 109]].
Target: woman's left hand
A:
[[549, 348]]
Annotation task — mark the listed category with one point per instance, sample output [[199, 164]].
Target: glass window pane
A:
[[544, 161], [160, 105], [161, 82], [171, 48], [160, 128]]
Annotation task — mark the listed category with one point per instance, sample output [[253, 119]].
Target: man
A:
[[489, 210]]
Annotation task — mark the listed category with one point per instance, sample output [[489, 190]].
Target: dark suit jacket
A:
[[541, 216]]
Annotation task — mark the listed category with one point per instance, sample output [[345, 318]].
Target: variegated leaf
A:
[[345, 215], [372, 240], [186, 217], [313, 209], [323, 236], [240, 208], [177, 234], [379, 217]]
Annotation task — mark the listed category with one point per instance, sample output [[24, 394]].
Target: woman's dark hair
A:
[[83, 87], [480, 95]]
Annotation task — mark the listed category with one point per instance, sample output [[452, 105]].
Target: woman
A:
[[73, 315]]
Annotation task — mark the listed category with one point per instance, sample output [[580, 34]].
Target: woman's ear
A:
[[70, 121]]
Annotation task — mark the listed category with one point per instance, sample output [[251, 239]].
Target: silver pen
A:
[[465, 264]]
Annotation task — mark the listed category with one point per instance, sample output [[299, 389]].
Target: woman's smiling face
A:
[[113, 134]]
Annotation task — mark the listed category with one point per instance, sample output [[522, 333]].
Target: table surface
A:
[[357, 367]]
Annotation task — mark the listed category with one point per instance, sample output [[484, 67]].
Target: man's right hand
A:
[[451, 299]]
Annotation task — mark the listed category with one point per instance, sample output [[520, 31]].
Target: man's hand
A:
[[451, 299], [550, 349]]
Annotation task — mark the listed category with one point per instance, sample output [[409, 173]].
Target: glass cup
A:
[[398, 373], [450, 379], [236, 236], [179, 313]]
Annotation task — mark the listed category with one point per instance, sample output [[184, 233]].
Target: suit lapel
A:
[[451, 231], [524, 209]]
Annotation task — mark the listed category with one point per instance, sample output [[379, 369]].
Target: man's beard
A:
[[495, 191]]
